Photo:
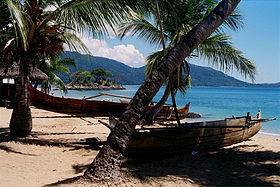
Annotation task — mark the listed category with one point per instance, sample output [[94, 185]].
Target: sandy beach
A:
[[48, 158]]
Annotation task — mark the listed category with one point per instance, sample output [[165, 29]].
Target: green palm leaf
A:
[[219, 52], [178, 18], [233, 22], [143, 28], [21, 21], [75, 43], [153, 60]]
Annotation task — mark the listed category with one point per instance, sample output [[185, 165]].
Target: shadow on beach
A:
[[226, 167], [36, 139], [242, 164], [232, 166]]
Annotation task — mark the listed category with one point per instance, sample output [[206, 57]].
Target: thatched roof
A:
[[13, 72]]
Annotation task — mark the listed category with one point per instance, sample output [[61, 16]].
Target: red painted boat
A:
[[93, 108]]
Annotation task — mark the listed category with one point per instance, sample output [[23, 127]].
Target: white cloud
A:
[[126, 54]]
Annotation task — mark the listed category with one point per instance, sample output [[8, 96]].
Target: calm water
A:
[[214, 102]]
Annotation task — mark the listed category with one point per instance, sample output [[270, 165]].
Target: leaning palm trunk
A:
[[107, 163], [21, 120], [149, 116]]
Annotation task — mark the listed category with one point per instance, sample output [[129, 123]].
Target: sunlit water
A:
[[213, 102]]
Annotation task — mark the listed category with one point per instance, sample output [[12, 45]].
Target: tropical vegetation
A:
[[101, 76], [91, 79], [178, 18], [40, 30], [53, 69], [107, 164], [40, 34]]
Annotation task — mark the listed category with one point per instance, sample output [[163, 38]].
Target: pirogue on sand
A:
[[204, 135], [94, 108]]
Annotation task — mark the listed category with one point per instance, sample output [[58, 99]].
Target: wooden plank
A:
[[93, 97]]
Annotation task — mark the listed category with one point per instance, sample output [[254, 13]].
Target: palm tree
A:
[[5, 21], [107, 164], [54, 68], [178, 18], [170, 87], [40, 33]]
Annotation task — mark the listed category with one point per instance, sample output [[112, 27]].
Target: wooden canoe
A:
[[93, 108], [196, 136]]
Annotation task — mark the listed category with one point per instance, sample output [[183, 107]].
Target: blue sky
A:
[[259, 40]]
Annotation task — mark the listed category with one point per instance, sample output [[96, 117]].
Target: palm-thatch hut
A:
[[7, 82]]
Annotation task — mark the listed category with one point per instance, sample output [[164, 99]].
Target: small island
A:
[[97, 79]]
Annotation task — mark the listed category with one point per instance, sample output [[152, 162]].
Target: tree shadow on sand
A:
[[34, 139], [65, 181], [79, 169], [233, 166], [223, 167], [230, 166]]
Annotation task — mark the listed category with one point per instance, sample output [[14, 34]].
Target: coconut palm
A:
[[107, 164], [178, 18], [41, 27], [5, 21], [54, 68]]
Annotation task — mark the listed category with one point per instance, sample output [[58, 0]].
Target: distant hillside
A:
[[127, 75], [200, 76]]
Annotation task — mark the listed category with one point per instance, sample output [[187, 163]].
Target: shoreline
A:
[[95, 87], [261, 132], [274, 135]]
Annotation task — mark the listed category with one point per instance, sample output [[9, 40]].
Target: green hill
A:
[[127, 75], [201, 76]]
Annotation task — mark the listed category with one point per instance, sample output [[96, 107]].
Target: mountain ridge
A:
[[200, 76]]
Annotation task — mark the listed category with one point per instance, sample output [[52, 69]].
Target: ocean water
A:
[[213, 102]]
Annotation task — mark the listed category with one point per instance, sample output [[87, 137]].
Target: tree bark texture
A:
[[107, 163], [21, 120], [150, 115]]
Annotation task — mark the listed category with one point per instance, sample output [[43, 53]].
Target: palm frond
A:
[[58, 83], [233, 22], [143, 28], [62, 69], [181, 83], [92, 15], [21, 21], [75, 43], [153, 60], [219, 52]]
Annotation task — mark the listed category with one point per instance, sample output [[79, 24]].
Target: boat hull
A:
[[170, 141], [95, 108]]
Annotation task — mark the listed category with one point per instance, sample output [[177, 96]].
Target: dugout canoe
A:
[[92, 108], [207, 135]]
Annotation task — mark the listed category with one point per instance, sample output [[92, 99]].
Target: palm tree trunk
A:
[[106, 165], [150, 115], [170, 77], [173, 100], [21, 120]]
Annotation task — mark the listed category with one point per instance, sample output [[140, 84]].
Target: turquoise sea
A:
[[214, 102]]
